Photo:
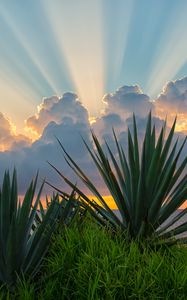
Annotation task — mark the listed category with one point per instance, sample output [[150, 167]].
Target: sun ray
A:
[[171, 52], [25, 43], [80, 39], [17, 100], [116, 37]]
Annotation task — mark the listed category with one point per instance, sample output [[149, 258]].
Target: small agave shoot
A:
[[68, 207], [22, 246], [147, 185]]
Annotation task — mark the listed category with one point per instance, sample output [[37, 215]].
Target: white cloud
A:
[[8, 137], [66, 118], [56, 109], [174, 96], [173, 101], [126, 100]]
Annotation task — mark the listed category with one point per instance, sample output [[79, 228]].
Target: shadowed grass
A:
[[89, 263]]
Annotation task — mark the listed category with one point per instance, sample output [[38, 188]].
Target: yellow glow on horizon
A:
[[109, 200], [111, 203]]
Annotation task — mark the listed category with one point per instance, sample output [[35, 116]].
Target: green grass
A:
[[87, 262]]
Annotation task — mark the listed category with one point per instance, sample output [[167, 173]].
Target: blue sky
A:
[[66, 65], [50, 47]]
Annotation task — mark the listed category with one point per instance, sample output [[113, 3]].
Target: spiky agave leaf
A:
[[69, 206], [147, 187], [22, 248]]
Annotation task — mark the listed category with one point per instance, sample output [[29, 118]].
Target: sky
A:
[[68, 65]]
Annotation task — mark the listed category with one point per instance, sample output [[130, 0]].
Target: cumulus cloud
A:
[[119, 106], [56, 109], [8, 137], [174, 96], [173, 101], [126, 100], [66, 118]]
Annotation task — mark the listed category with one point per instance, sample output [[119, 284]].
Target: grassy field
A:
[[87, 262]]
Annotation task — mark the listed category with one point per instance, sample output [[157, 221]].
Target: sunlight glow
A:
[[92, 120], [15, 96], [181, 125], [111, 203], [109, 200], [31, 133], [7, 140], [80, 39], [116, 37], [87, 47]]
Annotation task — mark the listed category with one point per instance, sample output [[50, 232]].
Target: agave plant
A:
[[147, 185], [68, 207], [22, 248]]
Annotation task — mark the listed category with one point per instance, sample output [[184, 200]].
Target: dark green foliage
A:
[[147, 188], [22, 245], [68, 207]]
